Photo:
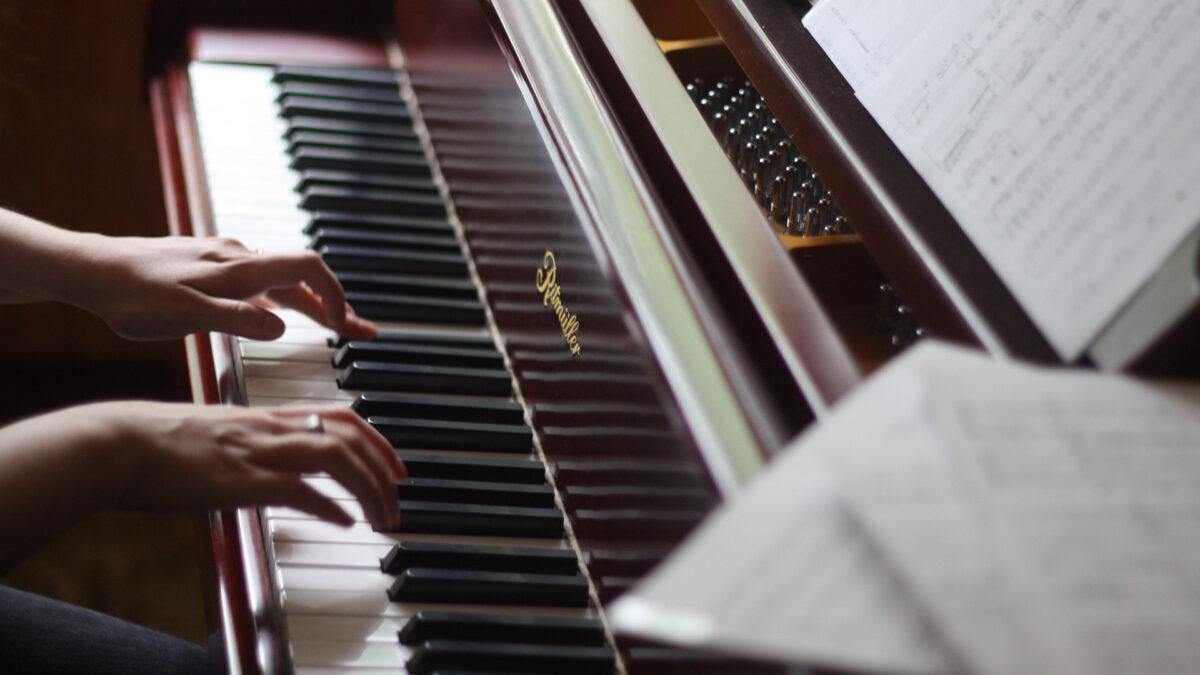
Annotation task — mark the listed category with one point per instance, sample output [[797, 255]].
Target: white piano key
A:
[[346, 628], [330, 555], [286, 351], [344, 670], [350, 580], [271, 402], [350, 654], [289, 370], [297, 390]]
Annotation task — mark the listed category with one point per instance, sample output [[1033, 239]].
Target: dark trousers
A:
[[40, 635]]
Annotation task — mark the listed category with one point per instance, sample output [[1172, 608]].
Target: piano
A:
[[621, 252]]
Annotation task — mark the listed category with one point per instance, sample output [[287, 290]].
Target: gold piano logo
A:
[[547, 285]]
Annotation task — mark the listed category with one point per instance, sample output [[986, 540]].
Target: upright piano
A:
[[621, 252]]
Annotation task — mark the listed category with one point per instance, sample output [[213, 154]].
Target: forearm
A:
[[39, 261], [55, 469]]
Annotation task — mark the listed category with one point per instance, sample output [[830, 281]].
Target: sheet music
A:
[[1052, 131], [1046, 521], [860, 44], [1030, 520], [785, 573]]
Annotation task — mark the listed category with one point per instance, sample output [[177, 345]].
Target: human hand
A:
[[204, 457], [164, 287]]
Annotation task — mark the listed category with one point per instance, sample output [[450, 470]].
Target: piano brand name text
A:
[[547, 285]]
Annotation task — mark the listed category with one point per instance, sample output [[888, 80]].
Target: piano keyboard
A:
[[479, 577]]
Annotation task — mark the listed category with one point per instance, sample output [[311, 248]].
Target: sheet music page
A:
[[785, 573], [863, 37], [1061, 135], [1045, 521]]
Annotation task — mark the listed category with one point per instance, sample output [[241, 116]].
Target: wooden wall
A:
[[77, 150]]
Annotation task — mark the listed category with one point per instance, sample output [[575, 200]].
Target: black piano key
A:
[[464, 341], [412, 242], [357, 179], [304, 123], [310, 106], [415, 309], [389, 223], [476, 492], [438, 656], [524, 559], [416, 378], [376, 78], [426, 625], [363, 259], [527, 471], [437, 408], [319, 139], [340, 91], [494, 521], [446, 435], [372, 201], [417, 353], [359, 160], [422, 584], [395, 284]]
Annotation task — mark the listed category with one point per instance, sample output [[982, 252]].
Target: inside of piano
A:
[[770, 160]]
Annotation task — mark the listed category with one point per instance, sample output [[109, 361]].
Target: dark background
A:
[[77, 150]]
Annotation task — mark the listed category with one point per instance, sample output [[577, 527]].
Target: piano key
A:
[[437, 656], [320, 139], [359, 160], [286, 351], [293, 105], [326, 236], [420, 584], [427, 625], [296, 390], [480, 557], [476, 492], [314, 177], [463, 468], [447, 339], [415, 378], [308, 123], [500, 521], [388, 223], [349, 654], [377, 629], [352, 580], [454, 435], [363, 259], [340, 91], [372, 200], [378, 78], [417, 353], [395, 284], [417, 309], [440, 408], [365, 556]]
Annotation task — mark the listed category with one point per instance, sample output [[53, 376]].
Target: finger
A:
[[374, 441], [238, 317], [285, 270], [293, 492], [303, 451], [302, 299], [381, 461]]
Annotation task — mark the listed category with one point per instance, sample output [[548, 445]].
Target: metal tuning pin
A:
[[794, 223], [762, 175], [778, 193], [812, 223]]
